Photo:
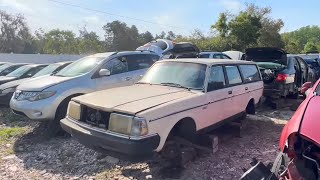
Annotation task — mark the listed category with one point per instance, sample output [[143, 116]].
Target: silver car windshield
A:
[[80, 67], [5, 66], [47, 70], [19, 72], [177, 74]]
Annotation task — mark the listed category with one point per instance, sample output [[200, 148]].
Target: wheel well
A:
[[65, 102], [250, 109], [185, 128]]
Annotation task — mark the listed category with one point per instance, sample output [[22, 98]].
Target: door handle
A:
[[229, 92], [246, 88]]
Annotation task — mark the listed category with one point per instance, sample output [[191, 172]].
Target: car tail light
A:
[[281, 77]]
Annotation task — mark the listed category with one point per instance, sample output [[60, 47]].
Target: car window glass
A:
[[139, 61], [233, 75], [216, 56], [302, 65], [225, 57], [204, 55], [250, 73], [216, 78], [33, 71], [9, 70], [116, 66]]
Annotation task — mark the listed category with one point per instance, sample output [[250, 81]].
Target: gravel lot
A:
[[25, 154]]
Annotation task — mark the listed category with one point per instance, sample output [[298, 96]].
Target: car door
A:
[[118, 74], [217, 96], [235, 90], [304, 70], [138, 64]]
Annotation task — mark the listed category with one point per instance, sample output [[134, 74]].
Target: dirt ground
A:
[[25, 154]]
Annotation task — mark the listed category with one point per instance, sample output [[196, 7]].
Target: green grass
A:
[[8, 133]]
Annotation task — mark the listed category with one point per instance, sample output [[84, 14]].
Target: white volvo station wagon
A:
[[176, 97]]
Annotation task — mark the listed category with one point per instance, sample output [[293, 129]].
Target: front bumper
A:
[[42, 110], [111, 144], [5, 99]]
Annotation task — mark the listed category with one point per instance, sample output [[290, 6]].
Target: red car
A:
[[299, 143]]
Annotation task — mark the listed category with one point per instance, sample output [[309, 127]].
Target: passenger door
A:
[[217, 95], [118, 74], [304, 70], [138, 64], [235, 90]]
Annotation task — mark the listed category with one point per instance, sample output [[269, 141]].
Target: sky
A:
[[180, 16]]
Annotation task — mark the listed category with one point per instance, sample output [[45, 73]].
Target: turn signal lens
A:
[[282, 77]]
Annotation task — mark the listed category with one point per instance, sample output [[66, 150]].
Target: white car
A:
[[47, 98], [176, 97]]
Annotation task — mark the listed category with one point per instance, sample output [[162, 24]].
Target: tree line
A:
[[252, 27]]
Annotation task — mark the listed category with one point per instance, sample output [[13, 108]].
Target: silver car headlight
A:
[[34, 96], [129, 125]]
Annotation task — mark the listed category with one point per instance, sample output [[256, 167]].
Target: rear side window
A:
[[204, 55], [216, 79], [225, 56], [140, 61], [233, 74], [250, 73]]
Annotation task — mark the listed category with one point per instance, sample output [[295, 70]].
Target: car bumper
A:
[[5, 99], [274, 90], [43, 110], [111, 144]]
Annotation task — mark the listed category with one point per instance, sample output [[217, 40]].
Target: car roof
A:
[[107, 54], [209, 61], [208, 52], [35, 65]]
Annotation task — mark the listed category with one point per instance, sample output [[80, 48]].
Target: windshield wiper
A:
[[175, 85]]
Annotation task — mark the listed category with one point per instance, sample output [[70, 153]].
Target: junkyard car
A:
[[175, 98], [22, 72], [7, 89], [214, 55], [299, 144], [9, 67], [46, 98], [168, 49], [282, 75]]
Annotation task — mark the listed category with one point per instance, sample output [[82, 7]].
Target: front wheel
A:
[[53, 127], [280, 164]]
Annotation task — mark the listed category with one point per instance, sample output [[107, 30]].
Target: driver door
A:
[[118, 74]]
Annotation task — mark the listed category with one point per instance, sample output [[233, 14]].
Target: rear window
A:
[[250, 73]]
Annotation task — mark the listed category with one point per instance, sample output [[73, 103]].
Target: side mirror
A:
[[305, 87], [104, 72]]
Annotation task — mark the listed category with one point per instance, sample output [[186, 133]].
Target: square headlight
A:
[[74, 110], [128, 125]]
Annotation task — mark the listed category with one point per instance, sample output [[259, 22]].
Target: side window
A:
[[216, 79], [139, 61], [116, 66], [250, 73], [216, 56], [233, 74], [204, 55]]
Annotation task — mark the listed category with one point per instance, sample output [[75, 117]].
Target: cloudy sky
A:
[[180, 16]]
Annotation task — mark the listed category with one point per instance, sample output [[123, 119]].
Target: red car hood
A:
[[311, 120]]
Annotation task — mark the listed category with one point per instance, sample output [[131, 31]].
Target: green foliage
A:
[[310, 46], [60, 42], [7, 133], [221, 25]]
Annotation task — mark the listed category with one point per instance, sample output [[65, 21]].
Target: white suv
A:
[[47, 98], [176, 97]]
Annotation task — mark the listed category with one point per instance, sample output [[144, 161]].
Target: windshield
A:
[[5, 66], [80, 67], [179, 74], [19, 72], [47, 70]]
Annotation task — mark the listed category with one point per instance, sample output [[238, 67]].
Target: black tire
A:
[[171, 152], [280, 163], [53, 128], [251, 109]]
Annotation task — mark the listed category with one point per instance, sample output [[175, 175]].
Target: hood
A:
[[14, 83], [311, 121], [140, 98], [266, 54], [41, 83], [5, 79]]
